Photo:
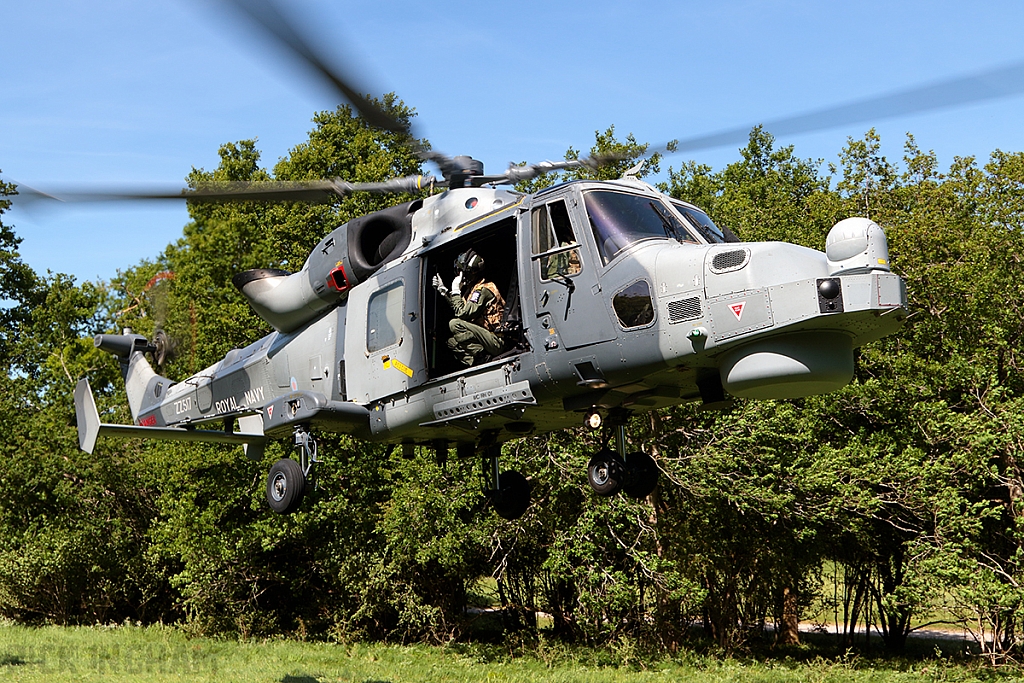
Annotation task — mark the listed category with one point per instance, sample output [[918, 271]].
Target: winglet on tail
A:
[[88, 416]]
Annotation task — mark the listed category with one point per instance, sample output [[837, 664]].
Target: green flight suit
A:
[[469, 336]]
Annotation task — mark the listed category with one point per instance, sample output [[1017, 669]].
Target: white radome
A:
[[856, 245]]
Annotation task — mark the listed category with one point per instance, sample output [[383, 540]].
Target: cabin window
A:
[[619, 219], [633, 305], [555, 241], [384, 317]]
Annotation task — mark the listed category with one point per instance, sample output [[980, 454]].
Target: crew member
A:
[[478, 307]]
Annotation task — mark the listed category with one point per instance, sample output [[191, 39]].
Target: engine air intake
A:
[[729, 260], [684, 309]]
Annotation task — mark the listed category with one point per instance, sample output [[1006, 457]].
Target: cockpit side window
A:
[[619, 219], [555, 241], [705, 226]]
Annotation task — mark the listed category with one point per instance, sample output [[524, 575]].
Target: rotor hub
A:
[[461, 169]]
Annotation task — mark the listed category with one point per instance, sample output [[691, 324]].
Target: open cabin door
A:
[[567, 292], [384, 340]]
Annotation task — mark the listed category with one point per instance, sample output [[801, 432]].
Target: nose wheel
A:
[[611, 471], [606, 473]]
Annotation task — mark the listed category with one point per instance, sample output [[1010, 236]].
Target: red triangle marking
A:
[[270, 411], [737, 309]]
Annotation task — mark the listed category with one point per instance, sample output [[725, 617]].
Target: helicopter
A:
[[654, 306], [616, 300]]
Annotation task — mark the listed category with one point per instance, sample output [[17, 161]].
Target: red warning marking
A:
[[737, 309], [270, 411], [148, 421]]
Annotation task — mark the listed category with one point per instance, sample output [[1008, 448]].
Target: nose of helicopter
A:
[[854, 246], [731, 268], [780, 320]]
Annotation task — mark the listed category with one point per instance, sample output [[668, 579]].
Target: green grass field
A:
[[166, 654]]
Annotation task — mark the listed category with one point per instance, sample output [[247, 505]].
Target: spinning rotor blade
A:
[[991, 84], [311, 191], [266, 15]]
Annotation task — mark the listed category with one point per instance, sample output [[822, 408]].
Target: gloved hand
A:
[[457, 283], [439, 285]]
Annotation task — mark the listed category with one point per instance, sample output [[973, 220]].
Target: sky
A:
[[112, 93]]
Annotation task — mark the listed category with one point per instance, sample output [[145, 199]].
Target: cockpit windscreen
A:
[[619, 219]]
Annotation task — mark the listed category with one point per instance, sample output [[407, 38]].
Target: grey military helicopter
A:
[[617, 300]]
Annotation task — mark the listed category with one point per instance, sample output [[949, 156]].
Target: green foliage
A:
[[74, 542], [18, 282], [906, 484]]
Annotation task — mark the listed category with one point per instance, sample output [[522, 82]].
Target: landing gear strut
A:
[[508, 491], [286, 483], [611, 471]]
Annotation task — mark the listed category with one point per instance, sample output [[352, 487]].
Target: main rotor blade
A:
[[311, 191], [266, 15], [991, 84], [315, 192]]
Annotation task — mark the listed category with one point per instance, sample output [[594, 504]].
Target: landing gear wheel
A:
[[606, 473], [641, 475], [286, 486], [513, 497]]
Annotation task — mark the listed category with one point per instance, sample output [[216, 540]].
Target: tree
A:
[[74, 541], [241, 568], [907, 482], [18, 282]]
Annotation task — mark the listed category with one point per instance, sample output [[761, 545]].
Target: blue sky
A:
[[124, 92]]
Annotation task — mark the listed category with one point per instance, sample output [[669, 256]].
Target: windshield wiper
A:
[[703, 228], [666, 222]]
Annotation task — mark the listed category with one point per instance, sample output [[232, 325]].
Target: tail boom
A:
[[90, 428]]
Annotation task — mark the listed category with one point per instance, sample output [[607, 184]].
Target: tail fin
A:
[[139, 376], [139, 384]]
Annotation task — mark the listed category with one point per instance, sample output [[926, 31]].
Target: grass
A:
[[157, 654]]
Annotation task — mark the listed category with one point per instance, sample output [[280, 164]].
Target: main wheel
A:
[[606, 473], [513, 495], [286, 485], [641, 475]]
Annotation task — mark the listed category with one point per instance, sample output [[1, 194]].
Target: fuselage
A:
[[618, 298]]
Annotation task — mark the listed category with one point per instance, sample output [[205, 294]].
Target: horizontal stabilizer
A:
[[90, 428]]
